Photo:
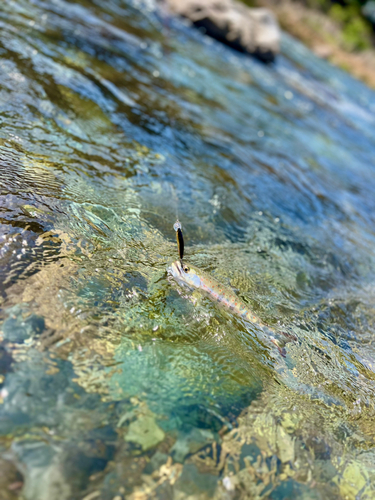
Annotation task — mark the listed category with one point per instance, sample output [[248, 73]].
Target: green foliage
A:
[[356, 30], [250, 3], [327, 4], [319, 4]]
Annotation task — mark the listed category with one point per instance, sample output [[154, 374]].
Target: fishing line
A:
[[177, 225], [175, 196]]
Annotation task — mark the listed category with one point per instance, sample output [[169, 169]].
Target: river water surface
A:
[[117, 382]]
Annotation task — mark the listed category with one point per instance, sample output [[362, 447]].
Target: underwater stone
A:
[[191, 442], [192, 482], [44, 479], [285, 445], [11, 480], [6, 361], [35, 397], [250, 451], [292, 489], [60, 472], [17, 329], [46, 484], [325, 470], [354, 481], [164, 491], [157, 460], [33, 454], [145, 432]]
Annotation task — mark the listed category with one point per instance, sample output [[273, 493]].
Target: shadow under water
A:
[[115, 381]]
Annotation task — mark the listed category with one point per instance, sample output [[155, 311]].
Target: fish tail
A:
[[282, 339]]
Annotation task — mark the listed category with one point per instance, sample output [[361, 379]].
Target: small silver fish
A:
[[195, 278]]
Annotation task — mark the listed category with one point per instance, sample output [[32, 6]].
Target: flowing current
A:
[[116, 382]]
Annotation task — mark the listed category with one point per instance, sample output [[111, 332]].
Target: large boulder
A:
[[254, 31]]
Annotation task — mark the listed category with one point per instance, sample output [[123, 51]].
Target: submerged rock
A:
[[17, 329], [11, 480], [254, 31], [191, 442], [157, 460], [145, 432], [194, 483], [354, 481], [47, 484]]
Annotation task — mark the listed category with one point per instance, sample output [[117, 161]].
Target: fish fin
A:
[[281, 349], [290, 336]]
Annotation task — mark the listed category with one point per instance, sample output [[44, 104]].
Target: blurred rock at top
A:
[[253, 31]]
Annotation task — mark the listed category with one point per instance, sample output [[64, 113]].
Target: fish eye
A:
[[186, 269]]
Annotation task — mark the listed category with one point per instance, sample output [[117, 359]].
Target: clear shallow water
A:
[[114, 380]]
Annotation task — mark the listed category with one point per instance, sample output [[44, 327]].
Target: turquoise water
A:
[[116, 382]]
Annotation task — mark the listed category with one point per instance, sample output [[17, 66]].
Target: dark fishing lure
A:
[[180, 239]]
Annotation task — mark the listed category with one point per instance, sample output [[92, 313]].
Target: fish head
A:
[[186, 273]]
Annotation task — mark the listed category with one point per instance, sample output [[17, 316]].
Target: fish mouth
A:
[[176, 269]]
